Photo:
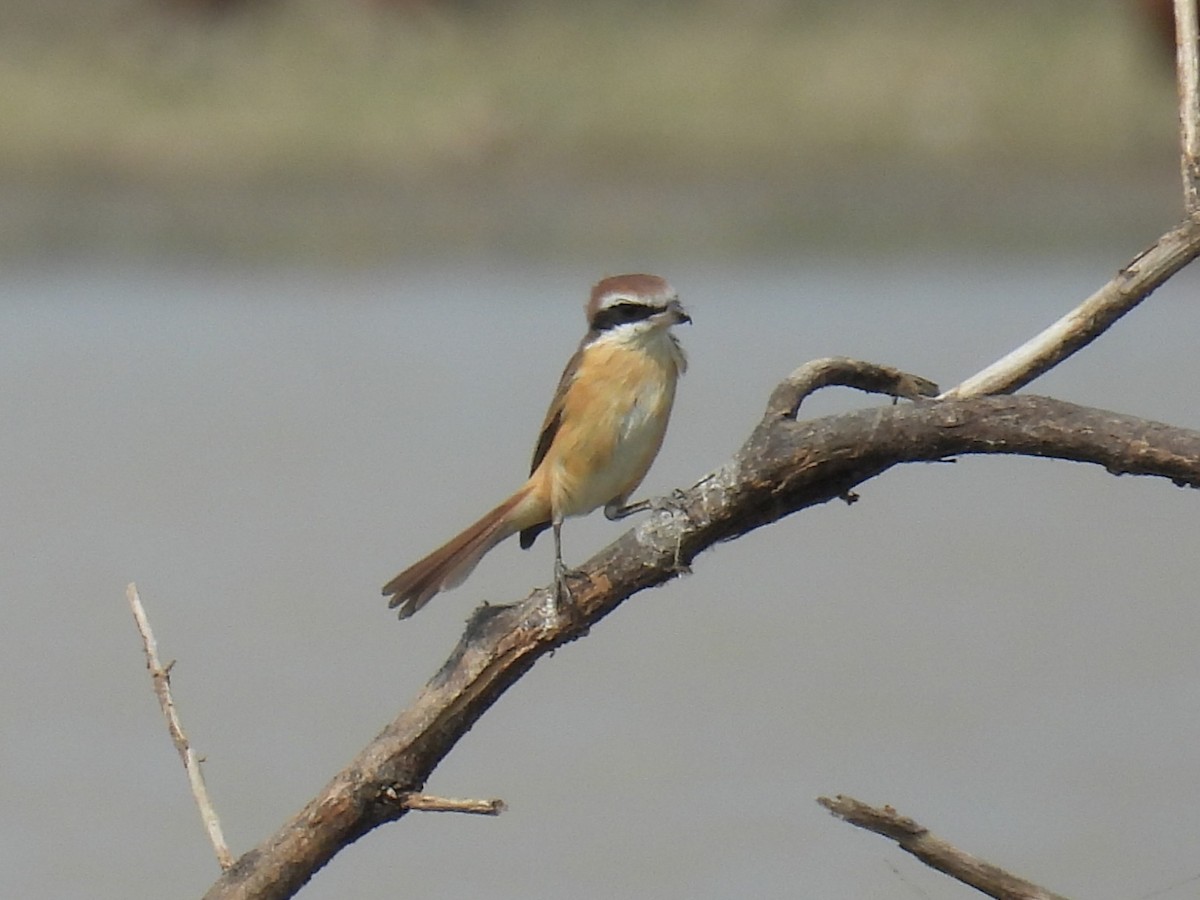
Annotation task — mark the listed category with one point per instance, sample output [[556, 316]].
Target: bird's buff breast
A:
[[618, 406]]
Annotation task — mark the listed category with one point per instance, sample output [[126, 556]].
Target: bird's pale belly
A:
[[612, 451]]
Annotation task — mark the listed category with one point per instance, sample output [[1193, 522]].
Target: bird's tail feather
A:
[[450, 564]]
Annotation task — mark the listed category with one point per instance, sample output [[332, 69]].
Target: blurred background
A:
[[353, 132], [285, 287]]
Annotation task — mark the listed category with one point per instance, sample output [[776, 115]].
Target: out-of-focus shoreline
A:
[[362, 224], [337, 132]]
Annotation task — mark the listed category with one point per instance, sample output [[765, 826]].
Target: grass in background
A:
[[673, 94]]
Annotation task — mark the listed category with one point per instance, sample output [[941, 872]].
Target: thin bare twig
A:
[[1090, 319], [1187, 66], [1143, 275], [161, 677], [430, 803], [936, 852]]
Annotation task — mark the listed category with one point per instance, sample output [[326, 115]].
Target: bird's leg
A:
[[562, 592], [562, 599], [562, 575]]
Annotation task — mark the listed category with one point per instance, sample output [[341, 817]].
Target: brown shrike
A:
[[602, 431]]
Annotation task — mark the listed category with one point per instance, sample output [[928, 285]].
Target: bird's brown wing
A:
[[546, 437]]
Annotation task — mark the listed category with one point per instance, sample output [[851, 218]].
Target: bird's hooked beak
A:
[[678, 314]]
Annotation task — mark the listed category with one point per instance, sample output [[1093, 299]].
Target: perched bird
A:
[[604, 427]]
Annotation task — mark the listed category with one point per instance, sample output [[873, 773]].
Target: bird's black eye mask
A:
[[622, 313]]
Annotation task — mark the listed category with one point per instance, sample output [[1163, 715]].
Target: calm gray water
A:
[[1004, 649]]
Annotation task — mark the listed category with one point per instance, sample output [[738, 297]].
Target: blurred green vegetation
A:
[[304, 107]]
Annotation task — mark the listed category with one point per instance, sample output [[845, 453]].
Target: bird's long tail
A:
[[449, 565]]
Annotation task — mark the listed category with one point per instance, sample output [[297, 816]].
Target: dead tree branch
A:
[[935, 852], [785, 466]]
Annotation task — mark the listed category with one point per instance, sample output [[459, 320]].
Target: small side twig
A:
[[839, 370], [161, 677], [935, 852], [430, 803]]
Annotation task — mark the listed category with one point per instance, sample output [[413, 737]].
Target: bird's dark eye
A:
[[631, 312], [623, 313]]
